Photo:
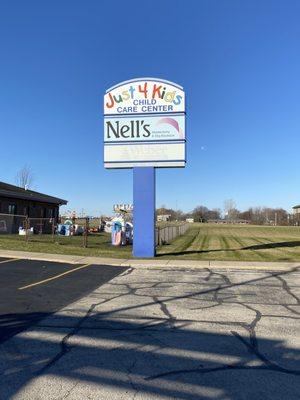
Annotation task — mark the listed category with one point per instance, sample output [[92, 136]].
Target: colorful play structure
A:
[[69, 229], [121, 232], [120, 227]]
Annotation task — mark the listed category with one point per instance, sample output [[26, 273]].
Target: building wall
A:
[[32, 209]]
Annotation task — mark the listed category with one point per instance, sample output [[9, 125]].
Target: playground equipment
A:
[[121, 227], [121, 232], [69, 229], [22, 231]]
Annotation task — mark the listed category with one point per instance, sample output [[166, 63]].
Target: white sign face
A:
[[144, 124], [145, 155], [144, 96], [144, 128]]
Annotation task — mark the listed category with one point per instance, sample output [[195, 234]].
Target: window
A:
[[12, 209]]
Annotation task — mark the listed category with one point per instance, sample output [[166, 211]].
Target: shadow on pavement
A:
[[156, 359], [122, 354], [19, 309]]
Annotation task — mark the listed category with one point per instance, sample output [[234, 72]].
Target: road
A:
[[164, 333]]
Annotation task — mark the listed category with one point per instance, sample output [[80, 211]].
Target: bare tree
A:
[[24, 177], [214, 214], [230, 209], [199, 213]]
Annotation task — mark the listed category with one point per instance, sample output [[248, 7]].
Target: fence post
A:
[[85, 233], [53, 229], [26, 228]]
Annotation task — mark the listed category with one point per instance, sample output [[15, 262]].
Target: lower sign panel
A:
[[144, 155]]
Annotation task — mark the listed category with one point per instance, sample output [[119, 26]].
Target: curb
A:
[[147, 263]]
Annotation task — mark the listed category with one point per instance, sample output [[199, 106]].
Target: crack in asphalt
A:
[[64, 346], [67, 394], [202, 292], [270, 365], [129, 371], [217, 369], [252, 326], [287, 288], [252, 345], [170, 318]]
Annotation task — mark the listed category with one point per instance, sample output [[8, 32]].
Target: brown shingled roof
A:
[[7, 190]]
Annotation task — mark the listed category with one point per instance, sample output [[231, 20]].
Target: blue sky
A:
[[238, 62]]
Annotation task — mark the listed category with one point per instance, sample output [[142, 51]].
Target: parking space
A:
[[150, 333], [31, 290]]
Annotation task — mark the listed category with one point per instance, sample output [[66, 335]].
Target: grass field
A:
[[201, 242], [236, 242], [98, 245]]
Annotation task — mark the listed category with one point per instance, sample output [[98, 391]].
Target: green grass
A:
[[201, 242], [98, 245], [235, 242]]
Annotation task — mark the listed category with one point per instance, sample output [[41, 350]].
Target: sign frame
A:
[[124, 144]]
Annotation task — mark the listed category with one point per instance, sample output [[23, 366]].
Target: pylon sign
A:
[[144, 128], [144, 124]]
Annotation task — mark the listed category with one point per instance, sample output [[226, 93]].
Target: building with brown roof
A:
[[16, 201]]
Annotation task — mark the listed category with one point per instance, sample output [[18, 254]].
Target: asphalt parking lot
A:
[[162, 333], [31, 290]]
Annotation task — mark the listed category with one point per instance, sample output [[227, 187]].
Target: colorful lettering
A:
[[156, 90], [144, 90]]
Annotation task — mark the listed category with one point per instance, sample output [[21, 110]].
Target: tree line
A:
[[230, 214]]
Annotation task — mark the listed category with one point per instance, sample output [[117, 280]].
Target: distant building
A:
[[163, 218], [296, 215], [296, 209], [16, 202], [190, 220]]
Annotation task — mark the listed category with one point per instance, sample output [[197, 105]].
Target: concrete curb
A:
[[153, 263]]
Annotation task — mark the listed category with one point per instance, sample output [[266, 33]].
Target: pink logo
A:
[[172, 122]]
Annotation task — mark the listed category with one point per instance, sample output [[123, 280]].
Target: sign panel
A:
[[144, 96], [123, 207], [144, 128], [145, 155], [144, 124]]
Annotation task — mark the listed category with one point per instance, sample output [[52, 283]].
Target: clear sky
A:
[[238, 61]]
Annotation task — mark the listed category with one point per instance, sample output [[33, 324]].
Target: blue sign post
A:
[[144, 212], [144, 129]]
